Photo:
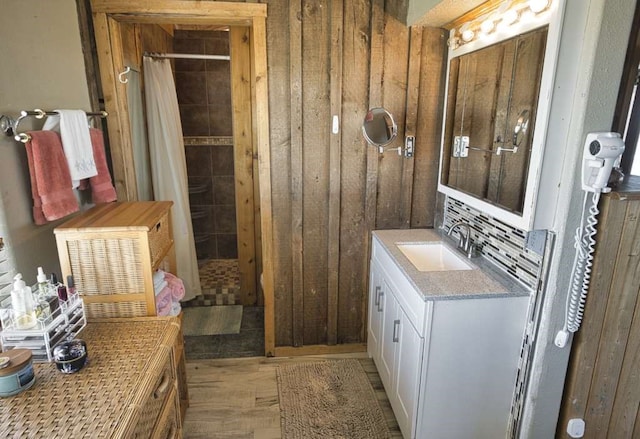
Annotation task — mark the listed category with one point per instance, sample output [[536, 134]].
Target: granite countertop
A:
[[484, 281]]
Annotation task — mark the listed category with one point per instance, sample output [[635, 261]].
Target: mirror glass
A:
[[490, 115], [379, 128]]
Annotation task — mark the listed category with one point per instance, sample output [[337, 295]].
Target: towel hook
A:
[[7, 125], [121, 77]]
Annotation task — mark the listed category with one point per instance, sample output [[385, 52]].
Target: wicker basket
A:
[[112, 251]]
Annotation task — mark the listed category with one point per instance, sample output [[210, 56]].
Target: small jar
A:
[[70, 356], [16, 371]]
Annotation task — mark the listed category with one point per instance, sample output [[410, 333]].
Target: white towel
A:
[[158, 278], [175, 309], [76, 142], [157, 288]]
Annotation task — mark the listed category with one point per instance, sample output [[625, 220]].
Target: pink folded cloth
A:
[[53, 197], [164, 299], [102, 190], [176, 285], [165, 311]]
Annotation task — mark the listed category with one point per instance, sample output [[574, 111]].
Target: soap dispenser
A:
[[23, 305]]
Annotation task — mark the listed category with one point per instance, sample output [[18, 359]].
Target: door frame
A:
[[107, 15]]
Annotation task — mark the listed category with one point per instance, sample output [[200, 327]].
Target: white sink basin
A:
[[434, 256]]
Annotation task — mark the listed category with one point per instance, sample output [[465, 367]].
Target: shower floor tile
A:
[[220, 282], [219, 273]]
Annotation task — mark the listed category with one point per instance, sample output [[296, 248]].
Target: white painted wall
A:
[[437, 12], [42, 67], [592, 51]]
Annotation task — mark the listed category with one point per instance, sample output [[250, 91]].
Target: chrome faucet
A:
[[464, 240]]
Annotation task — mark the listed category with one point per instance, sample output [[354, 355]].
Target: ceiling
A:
[[437, 13]]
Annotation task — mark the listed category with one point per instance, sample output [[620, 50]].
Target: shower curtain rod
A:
[[188, 56]]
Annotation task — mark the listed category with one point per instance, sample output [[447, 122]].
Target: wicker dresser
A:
[[128, 389], [112, 251]]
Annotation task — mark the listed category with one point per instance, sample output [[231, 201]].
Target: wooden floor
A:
[[238, 398]]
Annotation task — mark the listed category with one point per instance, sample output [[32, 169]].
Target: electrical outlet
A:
[[575, 427]]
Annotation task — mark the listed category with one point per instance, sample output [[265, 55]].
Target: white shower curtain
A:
[[139, 142], [168, 165]]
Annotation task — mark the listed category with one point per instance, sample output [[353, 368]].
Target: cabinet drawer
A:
[[159, 239], [168, 425], [158, 394], [411, 302]]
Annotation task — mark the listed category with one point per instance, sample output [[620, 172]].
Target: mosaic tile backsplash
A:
[[502, 244]]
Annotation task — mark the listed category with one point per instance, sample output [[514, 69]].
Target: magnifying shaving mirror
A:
[[520, 130], [379, 128]]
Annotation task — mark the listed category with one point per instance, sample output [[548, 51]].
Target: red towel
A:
[[53, 197], [102, 190]]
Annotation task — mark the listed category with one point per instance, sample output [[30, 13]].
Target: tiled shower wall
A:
[[212, 199], [203, 86], [204, 99]]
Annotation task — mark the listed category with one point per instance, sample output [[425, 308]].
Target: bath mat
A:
[[327, 400], [212, 320]]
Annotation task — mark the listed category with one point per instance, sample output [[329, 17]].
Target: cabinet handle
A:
[[378, 288], [163, 385], [380, 301], [396, 325]]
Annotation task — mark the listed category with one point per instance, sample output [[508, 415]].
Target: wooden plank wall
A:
[[329, 190], [603, 385], [336, 57]]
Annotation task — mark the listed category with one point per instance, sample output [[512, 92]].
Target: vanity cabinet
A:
[[448, 366], [398, 361]]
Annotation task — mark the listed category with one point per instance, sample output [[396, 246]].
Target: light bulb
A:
[[510, 17], [538, 6], [488, 26], [468, 35]]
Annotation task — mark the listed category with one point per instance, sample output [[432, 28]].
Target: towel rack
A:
[[10, 126]]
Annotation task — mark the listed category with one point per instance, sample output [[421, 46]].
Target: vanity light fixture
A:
[[508, 14]]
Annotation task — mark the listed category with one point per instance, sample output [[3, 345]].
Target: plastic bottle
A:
[[71, 286], [61, 290], [22, 304], [43, 283]]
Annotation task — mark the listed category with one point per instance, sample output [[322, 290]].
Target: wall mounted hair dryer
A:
[[601, 152]]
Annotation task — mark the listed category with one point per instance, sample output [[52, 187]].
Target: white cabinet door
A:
[[375, 313], [390, 309], [407, 377]]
